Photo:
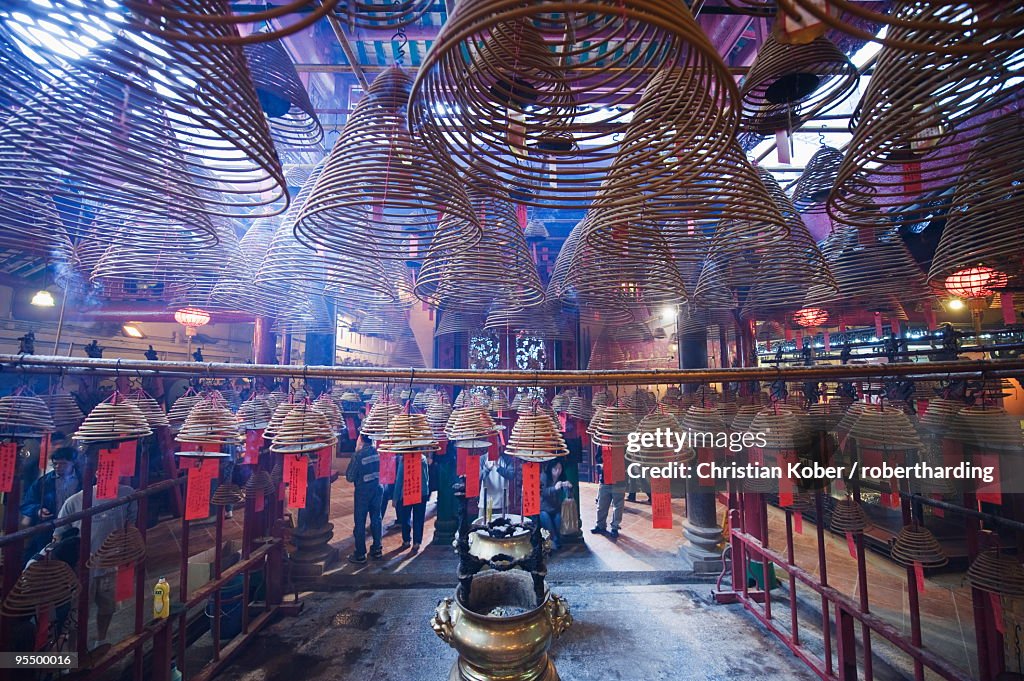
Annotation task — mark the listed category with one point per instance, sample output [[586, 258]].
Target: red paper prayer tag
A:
[[661, 503], [561, 420], [919, 576], [614, 459], [851, 545], [350, 427], [44, 452], [531, 488], [107, 474], [997, 611], [296, 471], [253, 439], [126, 455], [412, 479], [798, 522], [461, 454], [473, 476], [912, 178], [124, 587], [258, 502], [210, 447], [42, 626], [1006, 303], [188, 446], [197, 494], [323, 462], [388, 468], [8, 465]]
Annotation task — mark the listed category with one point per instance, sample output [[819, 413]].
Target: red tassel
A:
[[531, 488]]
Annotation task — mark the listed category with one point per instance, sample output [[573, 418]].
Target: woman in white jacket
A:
[[494, 479]]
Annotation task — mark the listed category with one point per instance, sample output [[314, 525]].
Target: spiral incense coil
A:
[[277, 418], [277, 473], [227, 494], [236, 286], [814, 76], [559, 403], [995, 573], [499, 404], [545, 320], [744, 416], [535, 437], [24, 416], [179, 411], [704, 419], [917, 545], [497, 270], [381, 186], [938, 417], [514, 79], [260, 482], [376, 422], [980, 227], [782, 430], [408, 433], [957, 28], [121, 547], [456, 321], [326, 406], [824, 416], [472, 424], [611, 426], [887, 428], [556, 284], [304, 314], [43, 584], [254, 413], [210, 422], [438, 414], [113, 421], [848, 517], [304, 430], [100, 117], [988, 428], [651, 425], [819, 176], [155, 415], [292, 117], [919, 109], [64, 410], [641, 402], [406, 352]]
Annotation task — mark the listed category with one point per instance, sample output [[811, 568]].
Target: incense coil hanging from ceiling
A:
[[126, 124], [155, 415], [498, 269], [957, 28], [983, 227], [507, 84], [606, 353], [811, 77], [113, 421], [919, 111], [547, 320], [384, 15], [819, 176], [64, 410], [381, 186], [292, 117], [405, 352], [236, 287], [457, 321]]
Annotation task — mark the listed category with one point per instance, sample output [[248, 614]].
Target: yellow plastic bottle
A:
[[161, 599]]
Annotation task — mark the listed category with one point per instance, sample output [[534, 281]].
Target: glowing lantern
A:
[[810, 316], [975, 282], [192, 318]]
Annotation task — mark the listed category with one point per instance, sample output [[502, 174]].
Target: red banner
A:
[[493, 454], [461, 454], [473, 476], [42, 626], [989, 492], [786, 484], [851, 545], [253, 440], [661, 503], [614, 460], [126, 457], [323, 462], [107, 474], [44, 452], [124, 587], [531, 488], [912, 178], [412, 479], [388, 468], [8, 465], [296, 471], [197, 491], [798, 522]]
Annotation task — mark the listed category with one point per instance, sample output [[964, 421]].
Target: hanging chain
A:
[[400, 37]]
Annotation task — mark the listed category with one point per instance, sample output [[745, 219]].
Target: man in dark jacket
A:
[[364, 472], [411, 516], [47, 494]]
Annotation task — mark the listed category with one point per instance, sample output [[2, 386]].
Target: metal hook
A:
[[821, 136]]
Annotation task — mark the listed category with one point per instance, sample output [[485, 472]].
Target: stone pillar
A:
[[703, 534], [446, 521]]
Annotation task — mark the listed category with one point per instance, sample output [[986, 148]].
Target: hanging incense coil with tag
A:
[[277, 418], [438, 414], [64, 410], [210, 422], [580, 408], [848, 517], [255, 413], [292, 117], [304, 430], [819, 176], [611, 426], [470, 427], [917, 545], [500, 403], [512, 95], [456, 321], [328, 408], [123, 546], [113, 421], [43, 584], [988, 428], [535, 437], [887, 428], [380, 186], [179, 411], [939, 415], [996, 573], [236, 287], [261, 482], [809, 77], [156, 417], [406, 353], [408, 433], [655, 454], [24, 416], [227, 494]]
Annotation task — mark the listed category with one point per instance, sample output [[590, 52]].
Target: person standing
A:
[[412, 516], [553, 488], [609, 495], [494, 480], [45, 497], [364, 473]]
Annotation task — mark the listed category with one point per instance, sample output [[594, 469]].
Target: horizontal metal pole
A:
[[1006, 367]]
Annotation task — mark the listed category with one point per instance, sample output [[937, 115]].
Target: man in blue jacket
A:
[[364, 472], [44, 497]]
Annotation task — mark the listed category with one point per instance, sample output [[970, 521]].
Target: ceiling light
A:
[[668, 314], [43, 298], [955, 304], [132, 331]]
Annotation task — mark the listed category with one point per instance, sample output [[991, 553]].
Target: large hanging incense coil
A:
[[210, 422], [500, 403], [438, 414], [848, 517], [995, 573], [958, 28], [255, 413], [156, 417], [535, 437], [656, 455], [470, 423], [121, 547], [887, 428], [304, 430], [227, 494], [917, 545], [919, 108], [601, 398], [497, 270], [43, 584], [819, 176], [24, 416], [375, 425], [611, 426], [824, 416], [112, 421], [236, 288], [814, 76], [326, 406], [546, 320], [207, 268], [782, 430], [103, 113], [513, 81], [744, 416], [408, 433], [64, 410], [406, 352], [260, 482], [640, 401], [179, 411], [606, 353], [981, 229], [579, 408], [281, 411], [988, 428], [456, 321], [380, 185], [939, 415], [704, 419], [292, 117]]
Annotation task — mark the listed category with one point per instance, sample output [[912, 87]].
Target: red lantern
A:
[[192, 317], [810, 316], [975, 282]]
